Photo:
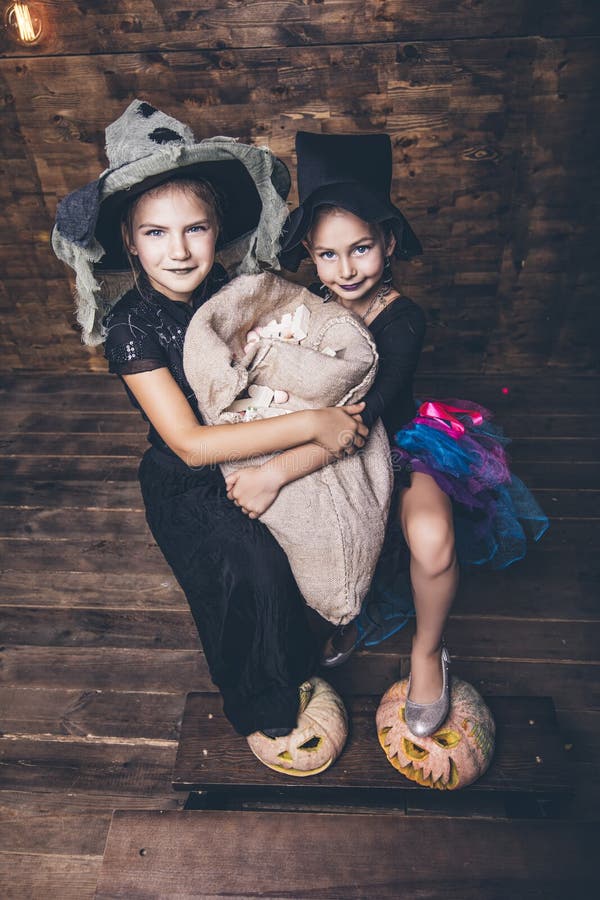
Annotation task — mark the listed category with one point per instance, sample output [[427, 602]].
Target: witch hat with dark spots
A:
[[146, 147]]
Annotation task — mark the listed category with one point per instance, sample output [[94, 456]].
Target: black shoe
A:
[[333, 655], [276, 732], [305, 693]]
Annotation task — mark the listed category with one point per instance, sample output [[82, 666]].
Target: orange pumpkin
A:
[[317, 740], [457, 754]]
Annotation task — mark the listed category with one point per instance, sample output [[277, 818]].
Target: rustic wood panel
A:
[[93, 27], [485, 166], [126, 767], [109, 591], [106, 668], [26, 876], [52, 844], [342, 856], [95, 713], [75, 824]]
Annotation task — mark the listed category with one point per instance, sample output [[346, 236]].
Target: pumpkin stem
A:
[[306, 691]]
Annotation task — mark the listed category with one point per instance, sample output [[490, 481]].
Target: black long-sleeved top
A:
[[399, 331]]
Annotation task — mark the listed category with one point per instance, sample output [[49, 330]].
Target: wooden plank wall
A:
[[492, 108]]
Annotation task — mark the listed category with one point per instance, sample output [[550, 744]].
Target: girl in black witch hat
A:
[[157, 202], [455, 499]]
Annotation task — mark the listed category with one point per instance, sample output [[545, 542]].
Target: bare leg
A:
[[425, 514]]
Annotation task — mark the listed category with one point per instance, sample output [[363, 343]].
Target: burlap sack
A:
[[331, 523]]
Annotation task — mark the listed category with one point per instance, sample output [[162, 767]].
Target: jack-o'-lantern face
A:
[[317, 740], [455, 755]]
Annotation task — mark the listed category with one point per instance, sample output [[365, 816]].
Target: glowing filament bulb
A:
[[23, 23]]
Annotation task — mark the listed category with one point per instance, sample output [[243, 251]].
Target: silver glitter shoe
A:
[[424, 719]]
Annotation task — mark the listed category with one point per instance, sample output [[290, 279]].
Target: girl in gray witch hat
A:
[[164, 203], [455, 496]]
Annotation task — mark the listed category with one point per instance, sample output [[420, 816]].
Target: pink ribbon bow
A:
[[444, 415]]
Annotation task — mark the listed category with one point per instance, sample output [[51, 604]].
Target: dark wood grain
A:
[[484, 165], [91, 590], [125, 767], [74, 823], [91, 713], [87, 28], [341, 856], [25, 875], [106, 668]]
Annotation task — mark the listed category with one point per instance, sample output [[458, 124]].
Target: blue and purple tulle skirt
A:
[[495, 515]]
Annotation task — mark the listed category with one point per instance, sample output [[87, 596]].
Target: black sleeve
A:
[[399, 346], [131, 345]]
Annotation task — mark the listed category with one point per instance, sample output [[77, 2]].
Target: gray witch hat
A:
[[144, 148]]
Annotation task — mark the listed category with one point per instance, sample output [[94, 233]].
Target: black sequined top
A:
[[144, 331]]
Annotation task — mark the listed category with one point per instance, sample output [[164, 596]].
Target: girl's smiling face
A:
[[349, 255], [173, 234]]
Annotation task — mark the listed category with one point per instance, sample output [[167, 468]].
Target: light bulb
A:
[[23, 23]]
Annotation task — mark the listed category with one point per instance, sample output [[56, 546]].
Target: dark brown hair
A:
[[385, 228]]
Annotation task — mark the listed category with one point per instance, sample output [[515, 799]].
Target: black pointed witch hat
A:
[[351, 171]]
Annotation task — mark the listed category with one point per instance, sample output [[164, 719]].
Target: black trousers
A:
[[247, 608]]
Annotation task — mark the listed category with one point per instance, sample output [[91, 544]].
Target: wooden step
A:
[[529, 760], [215, 853]]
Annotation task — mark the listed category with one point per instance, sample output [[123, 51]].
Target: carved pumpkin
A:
[[457, 754], [317, 740]]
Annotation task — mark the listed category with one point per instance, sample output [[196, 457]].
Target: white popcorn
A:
[[261, 396], [301, 319], [292, 328]]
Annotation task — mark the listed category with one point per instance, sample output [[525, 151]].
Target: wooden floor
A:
[[98, 646]]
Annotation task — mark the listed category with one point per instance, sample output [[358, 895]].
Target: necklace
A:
[[380, 297]]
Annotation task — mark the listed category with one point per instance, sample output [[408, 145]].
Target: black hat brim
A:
[[236, 191], [357, 199]]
